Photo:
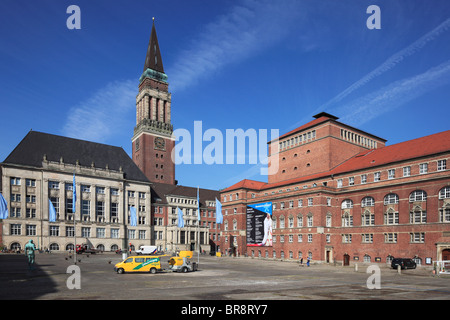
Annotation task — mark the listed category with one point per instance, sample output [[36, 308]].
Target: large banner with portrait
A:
[[259, 225]]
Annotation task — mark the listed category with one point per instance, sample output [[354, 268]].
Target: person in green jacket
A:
[[29, 252]]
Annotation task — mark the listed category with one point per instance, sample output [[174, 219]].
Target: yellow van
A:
[[150, 264]]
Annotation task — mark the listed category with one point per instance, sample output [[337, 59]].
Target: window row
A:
[[68, 231], [393, 173], [357, 138], [299, 139]]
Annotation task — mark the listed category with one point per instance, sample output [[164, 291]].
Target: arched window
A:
[[347, 204], [418, 195], [444, 193], [391, 198], [367, 202]]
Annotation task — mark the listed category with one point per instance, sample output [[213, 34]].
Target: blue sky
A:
[[231, 64]]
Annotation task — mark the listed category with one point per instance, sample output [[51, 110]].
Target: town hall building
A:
[[108, 183]]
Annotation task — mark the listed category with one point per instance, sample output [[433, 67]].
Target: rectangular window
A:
[[309, 221], [423, 168], [442, 165], [53, 185], [31, 213], [86, 232], [376, 176], [418, 237], [363, 178], [70, 231], [31, 230], [391, 173], [100, 190], [100, 211], [16, 229], [115, 233], [85, 209], [390, 237], [15, 181], [407, 171], [346, 238], [54, 231], [367, 238], [101, 233], [351, 181]]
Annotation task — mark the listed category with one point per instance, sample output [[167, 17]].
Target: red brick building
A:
[[339, 194]]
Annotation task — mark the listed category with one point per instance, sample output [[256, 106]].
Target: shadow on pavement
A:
[[18, 282]]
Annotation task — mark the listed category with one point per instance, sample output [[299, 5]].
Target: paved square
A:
[[223, 278]]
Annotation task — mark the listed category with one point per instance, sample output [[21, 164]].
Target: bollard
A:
[[399, 269], [356, 267]]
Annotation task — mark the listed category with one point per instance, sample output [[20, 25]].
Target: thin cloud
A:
[[392, 61], [244, 31], [395, 95], [100, 116], [389, 64]]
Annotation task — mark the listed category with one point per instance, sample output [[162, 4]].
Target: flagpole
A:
[[198, 239], [74, 201]]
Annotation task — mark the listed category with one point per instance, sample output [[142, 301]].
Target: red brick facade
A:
[[153, 159], [356, 201]]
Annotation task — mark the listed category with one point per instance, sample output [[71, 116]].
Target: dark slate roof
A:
[[161, 190], [153, 57], [31, 150]]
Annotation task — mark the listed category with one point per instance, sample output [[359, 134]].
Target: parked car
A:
[[404, 263]]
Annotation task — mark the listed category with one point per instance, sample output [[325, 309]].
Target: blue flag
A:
[[219, 216], [198, 205], [133, 217], [51, 212], [3, 208], [74, 195], [180, 218]]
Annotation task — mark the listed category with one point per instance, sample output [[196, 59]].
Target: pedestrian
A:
[[301, 262], [307, 262]]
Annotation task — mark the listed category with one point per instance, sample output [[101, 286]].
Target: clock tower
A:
[[152, 140]]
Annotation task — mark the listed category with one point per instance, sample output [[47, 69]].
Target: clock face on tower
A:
[[160, 143]]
